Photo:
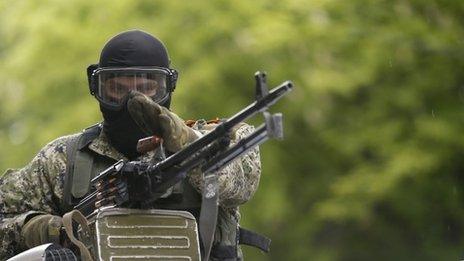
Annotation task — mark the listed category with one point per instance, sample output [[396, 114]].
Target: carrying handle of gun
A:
[[68, 219]]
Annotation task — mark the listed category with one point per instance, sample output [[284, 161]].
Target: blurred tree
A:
[[371, 164]]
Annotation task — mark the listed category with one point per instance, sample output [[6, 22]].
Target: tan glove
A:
[[154, 119], [42, 229]]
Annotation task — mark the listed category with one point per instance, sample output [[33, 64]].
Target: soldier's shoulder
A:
[[52, 154], [62, 142], [57, 147], [242, 129]]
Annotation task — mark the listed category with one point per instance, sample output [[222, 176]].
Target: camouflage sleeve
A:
[[238, 180], [33, 190]]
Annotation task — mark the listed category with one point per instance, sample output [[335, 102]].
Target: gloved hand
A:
[[154, 119], [42, 229]]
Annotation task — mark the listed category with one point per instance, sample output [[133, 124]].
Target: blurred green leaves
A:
[[371, 166]]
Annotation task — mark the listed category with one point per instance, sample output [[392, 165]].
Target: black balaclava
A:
[[127, 49]]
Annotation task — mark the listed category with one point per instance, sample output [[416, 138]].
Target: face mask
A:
[[122, 132]]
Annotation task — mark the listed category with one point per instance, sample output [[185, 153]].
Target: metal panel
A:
[[133, 234]]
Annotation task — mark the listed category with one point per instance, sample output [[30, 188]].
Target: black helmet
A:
[[132, 60]]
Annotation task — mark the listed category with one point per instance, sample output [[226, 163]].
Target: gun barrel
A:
[[258, 106]]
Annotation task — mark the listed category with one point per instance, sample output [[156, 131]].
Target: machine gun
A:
[[137, 185]]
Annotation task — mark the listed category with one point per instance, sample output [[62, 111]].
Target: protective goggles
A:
[[111, 85]]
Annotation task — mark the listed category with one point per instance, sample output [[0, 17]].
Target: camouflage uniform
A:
[[38, 187]]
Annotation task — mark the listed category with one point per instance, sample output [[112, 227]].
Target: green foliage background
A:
[[370, 168]]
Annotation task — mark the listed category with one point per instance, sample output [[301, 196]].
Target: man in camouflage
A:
[[32, 198]]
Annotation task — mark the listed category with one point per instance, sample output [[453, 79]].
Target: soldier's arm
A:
[[239, 180], [28, 192]]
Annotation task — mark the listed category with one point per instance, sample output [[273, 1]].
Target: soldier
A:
[[133, 84]]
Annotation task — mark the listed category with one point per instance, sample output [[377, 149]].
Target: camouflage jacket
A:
[[38, 187]]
